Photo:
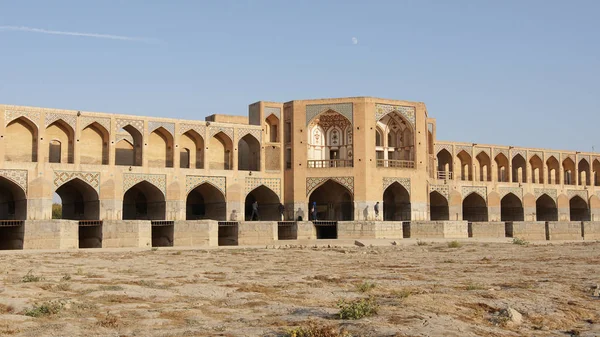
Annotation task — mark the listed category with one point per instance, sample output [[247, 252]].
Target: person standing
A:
[[281, 211], [313, 211], [255, 211], [376, 208]]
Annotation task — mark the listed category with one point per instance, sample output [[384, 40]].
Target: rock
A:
[[394, 243], [359, 244], [514, 317], [597, 292]]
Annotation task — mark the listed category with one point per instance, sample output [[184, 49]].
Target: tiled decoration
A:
[[68, 119], [313, 183], [407, 112], [11, 115], [515, 152], [158, 180], [485, 150], [87, 120], [191, 182], [200, 129], [273, 111], [468, 149], [312, 110], [517, 191], [497, 151], [581, 193], [548, 191], [440, 147], [274, 184], [256, 133], [404, 182], [553, 154], [536, 153], [136, 123], [18, 177], [481, 190], [441, 189], [568, 155], [153, 125], [125, 136], [582, 156], [213, 130], [91, 178]]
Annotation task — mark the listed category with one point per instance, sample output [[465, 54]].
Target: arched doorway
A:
[[329, 140], [144, 201], [128, 150], [160, 148], [13, 202], [396, 203], [545, 209], [438, 207], [511, 208], [268, 204], [519, 171], [248, 154], [502, 165], [191, 150], [445, 169], [94, 139], [334, 202], [578, 209], [60, 142], [23, 132], [206, 202], [475, 208], [79, 201], [219, 152]]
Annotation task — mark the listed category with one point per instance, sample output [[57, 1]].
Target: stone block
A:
[[439, 229], [529, 230], [564, 230], [591, 230], [195, 233], [488, 229], [126, 233]]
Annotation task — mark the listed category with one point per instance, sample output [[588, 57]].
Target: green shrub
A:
[[357, 309], [365, 286], [454, 244], [44, 309], [315, 330], [520, 242], [30, 277]]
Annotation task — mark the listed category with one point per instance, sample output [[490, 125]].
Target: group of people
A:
[[313, 211]]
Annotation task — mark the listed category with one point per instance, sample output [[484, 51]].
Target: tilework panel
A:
[[466, 148], [137, 124], [52, 117], [441, 189], [192, 182], [582, 156], [486, 150], [158, 180], [213, 130], [125, 136], [538, 153], [581, 193], [503, 191], [92, 178], [481, 190], [84, 121], [515, 152], [152, 125], [257, 133], [440, 147], [553, 154], [273, 111], [274, 184], [18, 177], [407, 112], [10, 115], [404, 182], [549, 191], [312, 183], [497, 151], [568, 155], [312, 110], [185, 127]]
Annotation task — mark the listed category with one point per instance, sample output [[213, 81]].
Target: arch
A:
[[465, 165], [578, 209], [502, 167], [94, 143], [569, 171], [445, 169], [484, 172], [328, 145], [79, 200], [396, 203], [206, 201], [545, 208], [519, 169], [583, 173], [334, 201], [511, 208], [596, 172], [13, 201], [248, 153], [272, 128], [21, 140], [553, 170], [378, 137], [398, 137], [61, 133], [160, 148], [184, 157], [438, 207], [475, 208], [268, 204], [194, 143], [144, 201], [219, 152], [129, 153], [537, 169]]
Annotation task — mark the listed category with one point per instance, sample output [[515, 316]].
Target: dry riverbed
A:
[[431, 289]]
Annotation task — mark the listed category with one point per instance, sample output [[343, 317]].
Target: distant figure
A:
[[281, 211], [376, 207], [254, 211], [299, 214], [313, 211]]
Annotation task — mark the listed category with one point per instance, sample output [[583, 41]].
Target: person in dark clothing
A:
[[281, 211], [376, 207], [255, 211], [313, 211]]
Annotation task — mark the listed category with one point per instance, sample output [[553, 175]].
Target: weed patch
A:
[[357, 309], [313, 329], [520, 242], [454, 244], [30, 277], [44, 309], [365, 287]]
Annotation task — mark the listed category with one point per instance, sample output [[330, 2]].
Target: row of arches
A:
[[518, 169], [22, 145]]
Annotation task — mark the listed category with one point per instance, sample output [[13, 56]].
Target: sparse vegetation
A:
[[6, 309], [56, 211], [313, 329], [403, 293], [30, 277], [520, 242], [365, 286], [357, 309], [66, 277], [109, 321], [63, 286], [454, 244], [154, 249], [45, 309], [110, 288], [474, 286]]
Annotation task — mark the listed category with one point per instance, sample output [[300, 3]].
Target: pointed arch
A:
[[475, 208], [60, 133], [398, 137], [519, 169], [334, 201], [502, 166], [583, 173], [545, 208], [465, 165], [160, 148], [267, 203], [396, 203], [511, 208], [569, 171], [445, 167], [579, 209], [484, 165], [248, 153], [537, 169], [144, 201], [129, 155], [206, 201], [194, 142], [94, 140], [13, 200], [219, 152], [438, 206], [553, 168], [21, 140], [272, 128], [327, 144], [80, 201]]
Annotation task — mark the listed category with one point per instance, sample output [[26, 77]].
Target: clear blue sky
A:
[[520, 73]]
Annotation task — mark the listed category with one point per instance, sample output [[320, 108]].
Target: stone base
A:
[[51, 234], [195, 233], [569, 230], [591, 230], [488, 229], [126, 233], [439, 229], [529, 230]]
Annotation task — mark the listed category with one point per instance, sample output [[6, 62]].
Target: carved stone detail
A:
[[256, 133], [466, 148], [137, 124], [407, 112], [404, 182], [52, 117], [274, 184], [158, 180], [548, 191], [153, 125], [191, 182], [312, 110], [185, 127], [11, 115], [441, 189], [18, 177], [515, 152], [87, 120], [213, 130], [497, 151], [581, 193], [440, 147], [312, 183], [503, 191], [273, 111], [91, 178], [480, 190]]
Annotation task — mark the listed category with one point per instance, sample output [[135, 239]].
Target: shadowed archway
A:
[[79, 201], [396, 203], [545, 209], [438, 207], [268, 204], [13, 201], [511, 208], [206, 202], [578, 209], [144, 201], [334, 202], [475, 208]]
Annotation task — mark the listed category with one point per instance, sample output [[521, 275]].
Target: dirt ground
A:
[[427, 289]]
